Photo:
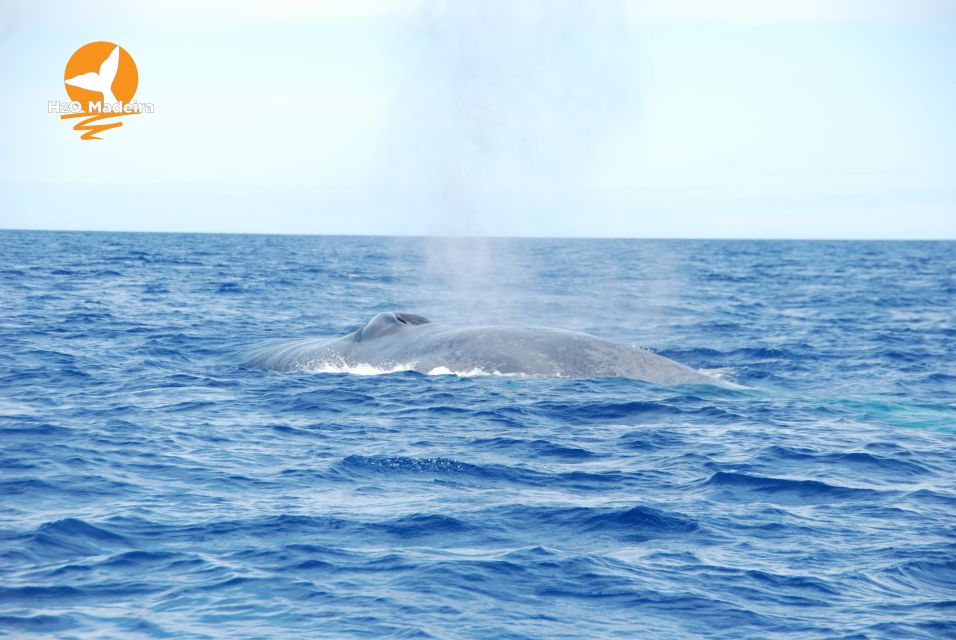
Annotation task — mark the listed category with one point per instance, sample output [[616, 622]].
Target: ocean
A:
[[154, 488]]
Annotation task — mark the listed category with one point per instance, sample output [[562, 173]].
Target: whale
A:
[[393, 341]]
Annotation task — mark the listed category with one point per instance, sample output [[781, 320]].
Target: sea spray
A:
[[502, 111]]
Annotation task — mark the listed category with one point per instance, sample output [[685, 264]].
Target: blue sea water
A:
[[152, 487]]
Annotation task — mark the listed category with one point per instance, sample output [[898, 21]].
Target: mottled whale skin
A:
[[409, 341]]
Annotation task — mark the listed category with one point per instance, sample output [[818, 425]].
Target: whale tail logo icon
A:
[[101, 80]]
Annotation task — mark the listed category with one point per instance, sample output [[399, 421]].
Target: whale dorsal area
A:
[[388, 322], [401, 341]]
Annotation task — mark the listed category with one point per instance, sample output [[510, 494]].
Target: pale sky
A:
[[682, 118]]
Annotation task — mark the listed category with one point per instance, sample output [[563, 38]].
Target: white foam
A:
[[470, 373], [326, 366], [724, 374], [719, 373], [355, 370]]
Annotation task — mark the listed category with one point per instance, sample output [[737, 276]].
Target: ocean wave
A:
[[152, 488], [786, 488]]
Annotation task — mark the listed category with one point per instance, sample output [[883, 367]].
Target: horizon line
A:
[[482, 237]]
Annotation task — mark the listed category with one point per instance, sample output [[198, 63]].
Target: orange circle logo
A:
[[101, 72]]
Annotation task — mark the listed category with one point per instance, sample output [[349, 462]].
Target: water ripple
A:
[[154, 488]]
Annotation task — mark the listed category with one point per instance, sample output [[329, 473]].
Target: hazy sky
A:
[[683, 118]]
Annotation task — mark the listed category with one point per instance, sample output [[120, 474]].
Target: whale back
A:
[[387, 323], [400, 341]]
